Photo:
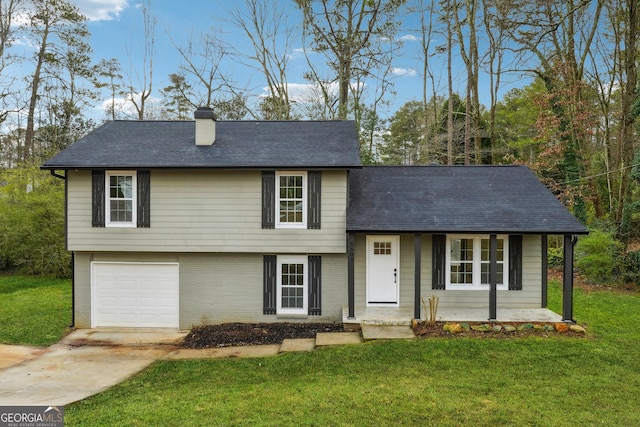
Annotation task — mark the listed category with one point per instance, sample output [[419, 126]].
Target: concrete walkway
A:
[[87, 362], [65, 374]]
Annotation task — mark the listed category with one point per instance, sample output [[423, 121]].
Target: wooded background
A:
[[575, 123]]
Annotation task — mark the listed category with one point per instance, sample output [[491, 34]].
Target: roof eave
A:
[[470, 231]]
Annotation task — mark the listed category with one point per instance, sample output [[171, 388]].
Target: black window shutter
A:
[[269, 286], [438, 259], [144, 190], [515, 262], [314, 195], [315, 285], [268, 199], [98, 198]]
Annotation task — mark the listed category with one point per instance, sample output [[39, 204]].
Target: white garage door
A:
[[139, 295]]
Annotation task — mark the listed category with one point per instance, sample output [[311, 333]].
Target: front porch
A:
[[403, 315]]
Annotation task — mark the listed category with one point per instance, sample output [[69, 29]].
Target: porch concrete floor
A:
[[403, 315]]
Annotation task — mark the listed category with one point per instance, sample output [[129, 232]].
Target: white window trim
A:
[[302, 224], [477, 285], [293, 259], [134, 197]]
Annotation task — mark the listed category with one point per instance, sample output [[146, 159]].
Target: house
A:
[[176, 223]]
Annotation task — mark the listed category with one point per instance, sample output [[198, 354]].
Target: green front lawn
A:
[[547, 381], [34, 310]]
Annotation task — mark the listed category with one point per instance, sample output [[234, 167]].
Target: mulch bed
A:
[[235, 334]]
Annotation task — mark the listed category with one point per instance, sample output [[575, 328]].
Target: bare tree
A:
[[494, 26], [270, 35], [139, 92], [8, 10], [51, 22], [111, 71], [349, 33], [465, 28], [203, 57]]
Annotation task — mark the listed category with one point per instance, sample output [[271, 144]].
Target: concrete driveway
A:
[[85, 363]]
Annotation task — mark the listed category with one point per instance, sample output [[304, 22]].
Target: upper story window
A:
[[121, 199], [291, 199], [468, 261]]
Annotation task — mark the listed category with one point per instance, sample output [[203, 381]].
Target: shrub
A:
[[628, 267], [596, 256], [555, 256], [32, 223]]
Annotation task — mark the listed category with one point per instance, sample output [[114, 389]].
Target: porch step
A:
[[386, 332], [337, 338], [381, 316]]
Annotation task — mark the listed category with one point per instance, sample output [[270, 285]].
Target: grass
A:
[[34, 310], [544, 381]]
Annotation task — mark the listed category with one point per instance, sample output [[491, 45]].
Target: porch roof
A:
[[455, 199]]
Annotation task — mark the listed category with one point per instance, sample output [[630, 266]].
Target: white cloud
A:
[[101, 10], [409, 38], [403, 72], [302, 92], [297, 52], [124, 106]]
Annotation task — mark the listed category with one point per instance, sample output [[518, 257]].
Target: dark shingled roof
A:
[[455, 199], [239, 144]]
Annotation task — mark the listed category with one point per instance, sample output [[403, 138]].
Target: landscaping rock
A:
[[481, 328], [577, 328], [561, 327], [496, 328], [538, 327], [465, 326], [453, 328], [525, 327], [548, 328], [509, 328]]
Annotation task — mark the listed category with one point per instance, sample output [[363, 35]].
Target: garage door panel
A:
[[135, 294]]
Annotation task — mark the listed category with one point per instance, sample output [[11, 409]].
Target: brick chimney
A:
[[205, 126]]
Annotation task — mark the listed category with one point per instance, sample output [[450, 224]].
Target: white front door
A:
[[383, 270]]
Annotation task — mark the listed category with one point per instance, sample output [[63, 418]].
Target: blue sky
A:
[[116, 28]]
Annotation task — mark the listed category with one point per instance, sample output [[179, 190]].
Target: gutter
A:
[[73, 264], [57, 175]]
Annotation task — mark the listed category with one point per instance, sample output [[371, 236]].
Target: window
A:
[[291, 200], [121, 199], [468, 261], [292, 283], [382, 248]]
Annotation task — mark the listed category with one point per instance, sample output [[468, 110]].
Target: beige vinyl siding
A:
[[217, 288], [529, 297], [207, 211]]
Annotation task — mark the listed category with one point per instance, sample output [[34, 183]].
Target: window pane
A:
[[484, 279], [484, 254], [292, 285], [121, 210], [461, 268], [485, 274]]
